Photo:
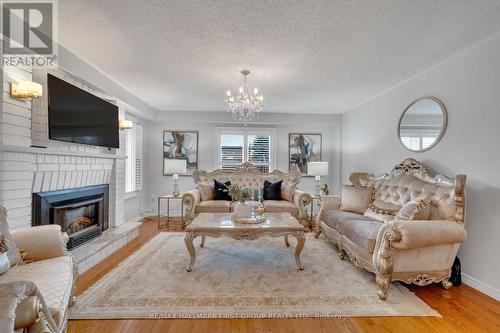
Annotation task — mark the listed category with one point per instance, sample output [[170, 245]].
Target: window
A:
[[133, 164], [246, 145], [418, 138]]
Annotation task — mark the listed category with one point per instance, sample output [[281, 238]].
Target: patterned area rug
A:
[[240, 279]]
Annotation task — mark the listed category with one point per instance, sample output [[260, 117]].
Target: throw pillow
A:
[[206, 191], [378, 216], [272, 191], [419, 209], [355, 199], [386, 208], [221, 191], [12, 252], [4, 261], [287, 192]]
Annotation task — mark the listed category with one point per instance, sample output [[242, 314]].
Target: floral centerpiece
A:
[[240, 194]]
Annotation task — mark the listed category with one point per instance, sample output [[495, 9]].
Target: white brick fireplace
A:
[[31, 163]]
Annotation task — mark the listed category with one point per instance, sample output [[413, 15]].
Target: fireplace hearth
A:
[[81, 212]]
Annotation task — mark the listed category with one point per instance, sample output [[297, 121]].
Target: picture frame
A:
[[180, 144], [303, 148]]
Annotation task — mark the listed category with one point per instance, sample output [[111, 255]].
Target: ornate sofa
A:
[[35, 295], [248, 175], [418, 251]]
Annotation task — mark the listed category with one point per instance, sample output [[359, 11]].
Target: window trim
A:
[[132, 163], [246, 131]]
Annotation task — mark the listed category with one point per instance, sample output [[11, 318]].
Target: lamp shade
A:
[[174, 166], [317, 168]]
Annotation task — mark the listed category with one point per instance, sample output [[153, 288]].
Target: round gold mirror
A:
[[422, 124]]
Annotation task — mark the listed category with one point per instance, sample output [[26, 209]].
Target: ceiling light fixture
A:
[[245, 105]]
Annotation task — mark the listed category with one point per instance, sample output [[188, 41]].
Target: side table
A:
[[316, 202], [169, 197]]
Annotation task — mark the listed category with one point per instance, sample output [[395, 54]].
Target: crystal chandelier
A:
[[245, 105]]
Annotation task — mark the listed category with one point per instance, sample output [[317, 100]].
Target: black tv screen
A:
[[78, 116]]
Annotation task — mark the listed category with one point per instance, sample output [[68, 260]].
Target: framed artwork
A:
[[303, 148], [181, 145]]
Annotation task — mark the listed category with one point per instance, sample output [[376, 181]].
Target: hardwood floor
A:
[[463, 309]]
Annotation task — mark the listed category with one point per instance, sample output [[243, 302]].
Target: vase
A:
[[242, 210]]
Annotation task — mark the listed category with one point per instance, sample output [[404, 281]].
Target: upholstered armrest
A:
[[417, 233], [330, 202], [301, 199], [43, 242], [22, 307], [190, 200]]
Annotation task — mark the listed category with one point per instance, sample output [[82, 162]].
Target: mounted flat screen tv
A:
[[78, 116]]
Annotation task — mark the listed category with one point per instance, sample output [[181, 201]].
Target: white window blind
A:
[[231, 151], [239, 146], [138, 157], [133, 164], [259, 151]]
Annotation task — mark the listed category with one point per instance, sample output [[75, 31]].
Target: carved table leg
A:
[[202, 244], [190, 247], [287, 244], [298, 249]]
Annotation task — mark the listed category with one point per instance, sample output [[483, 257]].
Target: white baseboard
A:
[[481, 286], [138, 218]]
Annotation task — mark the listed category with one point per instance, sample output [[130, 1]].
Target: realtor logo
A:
[[29, 29]]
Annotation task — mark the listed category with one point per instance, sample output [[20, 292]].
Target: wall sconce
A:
[[25, 89], [126, 124]]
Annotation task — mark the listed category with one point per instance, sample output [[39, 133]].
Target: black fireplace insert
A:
[[81, 212]]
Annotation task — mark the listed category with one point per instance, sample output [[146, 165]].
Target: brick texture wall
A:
[[25, 170]]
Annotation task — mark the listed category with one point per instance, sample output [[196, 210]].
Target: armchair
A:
[[36, 295]]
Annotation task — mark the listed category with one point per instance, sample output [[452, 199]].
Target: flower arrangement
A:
[[239, 193]]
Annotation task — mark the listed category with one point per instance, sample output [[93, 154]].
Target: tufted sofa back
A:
[[409, 180], [248, 175]]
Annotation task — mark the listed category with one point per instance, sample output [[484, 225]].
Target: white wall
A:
[[469, 86], [207, 122]]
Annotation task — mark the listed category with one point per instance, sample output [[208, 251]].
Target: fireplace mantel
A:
[[49, 151]]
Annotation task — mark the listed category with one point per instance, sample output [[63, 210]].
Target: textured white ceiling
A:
[[305, 56]]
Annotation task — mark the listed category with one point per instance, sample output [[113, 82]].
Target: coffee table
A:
[[221, 224]]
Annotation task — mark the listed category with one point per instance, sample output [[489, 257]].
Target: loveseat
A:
[[35, 292], [247, 175], [403, 226]]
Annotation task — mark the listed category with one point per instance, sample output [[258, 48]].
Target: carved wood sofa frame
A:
[[248, 175], [382, 261]]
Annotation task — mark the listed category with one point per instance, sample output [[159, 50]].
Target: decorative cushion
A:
[[213, 206], [386, 208], [355, 199], [12, 252], [287, 192], [275, 206], [54, 279], [378, 216], [415, 210], [332, 217], [4, 263], [206, 191], [362, 233], [221, 191], [272, 191]]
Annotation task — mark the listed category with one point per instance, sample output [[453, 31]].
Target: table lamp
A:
[[175, 167], [317, 169]]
